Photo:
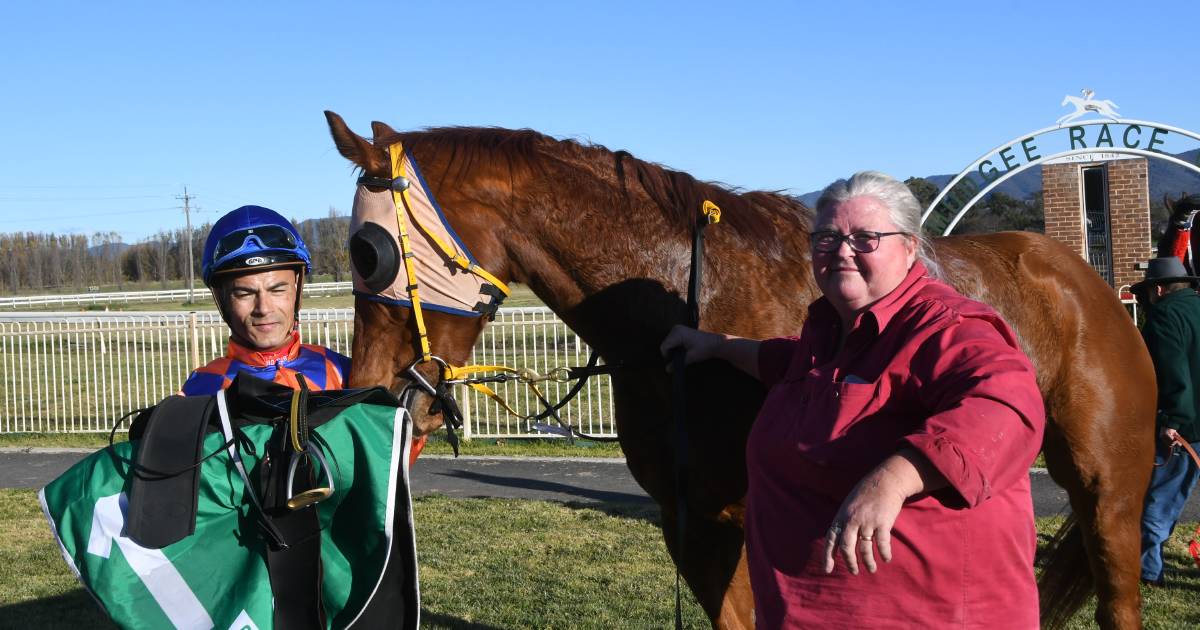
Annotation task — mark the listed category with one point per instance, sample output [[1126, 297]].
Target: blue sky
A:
[[107, 110]]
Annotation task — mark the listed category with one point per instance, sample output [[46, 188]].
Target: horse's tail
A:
[[1066, 581]]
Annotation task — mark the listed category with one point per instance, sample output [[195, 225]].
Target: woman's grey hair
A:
[[903, 208]]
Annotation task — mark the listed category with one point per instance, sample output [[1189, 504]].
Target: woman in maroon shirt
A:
[[888, 467]]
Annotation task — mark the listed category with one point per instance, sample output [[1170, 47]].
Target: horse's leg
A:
[[1100, 449], [714, 566]]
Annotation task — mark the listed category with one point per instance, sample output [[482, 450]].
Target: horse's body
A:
[[603, 239]]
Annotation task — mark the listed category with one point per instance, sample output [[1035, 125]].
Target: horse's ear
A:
[[380, 131], [1167, 203], [356, 148]]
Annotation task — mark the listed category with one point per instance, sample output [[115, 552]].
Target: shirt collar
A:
[[886, 307], [262, 358]]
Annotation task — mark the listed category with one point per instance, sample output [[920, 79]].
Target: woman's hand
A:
[[697, 345], [864, 522]]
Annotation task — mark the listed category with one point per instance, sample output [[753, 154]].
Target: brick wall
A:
[[1129, 218], [1062, 198], [1128, 207]]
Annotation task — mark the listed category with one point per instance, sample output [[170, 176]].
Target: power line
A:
[[7, 198], [84, 186], [89, 215]]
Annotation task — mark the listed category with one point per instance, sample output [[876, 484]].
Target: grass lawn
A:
[[492, 563]]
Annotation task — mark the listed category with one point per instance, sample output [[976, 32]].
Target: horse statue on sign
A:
[[603, 239], [1105, 108]]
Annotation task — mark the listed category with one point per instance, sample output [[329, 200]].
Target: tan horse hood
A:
[[442, 264]]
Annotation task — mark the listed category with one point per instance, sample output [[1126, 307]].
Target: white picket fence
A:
[[65, 372], [132, 297]]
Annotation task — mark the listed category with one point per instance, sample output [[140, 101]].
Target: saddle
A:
[[258, 506]]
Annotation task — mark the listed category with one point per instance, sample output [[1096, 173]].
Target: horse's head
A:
[[1183, 210], [387, 346]]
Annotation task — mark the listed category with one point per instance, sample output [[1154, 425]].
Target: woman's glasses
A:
[[864, 242]]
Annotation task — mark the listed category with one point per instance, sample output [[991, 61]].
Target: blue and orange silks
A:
[[322, 368]]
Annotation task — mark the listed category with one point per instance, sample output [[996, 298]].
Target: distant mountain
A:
[[1165, 178], [108, 249]]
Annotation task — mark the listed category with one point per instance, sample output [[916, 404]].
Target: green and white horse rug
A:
[[258, 507]]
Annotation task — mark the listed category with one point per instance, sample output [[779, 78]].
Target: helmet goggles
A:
[[258, 238]]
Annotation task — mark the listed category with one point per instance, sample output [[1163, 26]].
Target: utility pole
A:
[[187, 214]]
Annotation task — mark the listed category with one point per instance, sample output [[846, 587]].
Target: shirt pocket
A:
[[833, 409]]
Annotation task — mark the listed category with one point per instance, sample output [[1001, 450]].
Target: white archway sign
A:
[[1136, 137]]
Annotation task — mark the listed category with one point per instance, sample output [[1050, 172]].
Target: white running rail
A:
[[132, 297], [79, 372]]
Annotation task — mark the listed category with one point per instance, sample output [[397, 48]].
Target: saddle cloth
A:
[[206, 560]]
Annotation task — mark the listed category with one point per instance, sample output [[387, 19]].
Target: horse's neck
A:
[[620, 281]]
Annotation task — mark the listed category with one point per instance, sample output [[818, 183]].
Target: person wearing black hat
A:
[[1172, 334]]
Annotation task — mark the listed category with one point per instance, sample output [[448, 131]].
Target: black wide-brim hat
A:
[[1164, 271]]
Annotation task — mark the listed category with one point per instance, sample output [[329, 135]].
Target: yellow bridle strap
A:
[[462, 261], [451, 372], [487, 391], [527, 376], [399, 198]]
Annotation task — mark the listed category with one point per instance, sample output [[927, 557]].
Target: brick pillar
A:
[[1128, 212], [1062, 203], [1129, 218]]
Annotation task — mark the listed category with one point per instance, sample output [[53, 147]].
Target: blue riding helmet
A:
[[252, 237]]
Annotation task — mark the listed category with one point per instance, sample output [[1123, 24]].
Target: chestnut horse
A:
[[603, 239]]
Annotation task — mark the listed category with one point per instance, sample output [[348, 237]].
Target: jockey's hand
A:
[[1169, 435]]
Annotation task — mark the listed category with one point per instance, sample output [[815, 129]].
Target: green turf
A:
[[493, 563]]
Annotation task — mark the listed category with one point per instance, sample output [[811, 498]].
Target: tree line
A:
[[999, 212], [37, 261]]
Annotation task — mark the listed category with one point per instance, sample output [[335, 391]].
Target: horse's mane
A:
[[755, 215]]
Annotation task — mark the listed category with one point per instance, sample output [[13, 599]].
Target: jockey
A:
[[254, 263]]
